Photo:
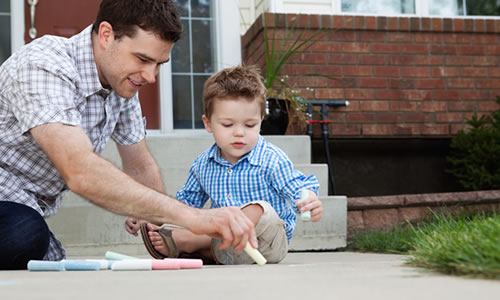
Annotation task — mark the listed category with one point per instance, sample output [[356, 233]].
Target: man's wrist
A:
[[186, 216]]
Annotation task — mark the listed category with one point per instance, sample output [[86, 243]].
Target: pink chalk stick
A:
[[188, 263], [163, 264]]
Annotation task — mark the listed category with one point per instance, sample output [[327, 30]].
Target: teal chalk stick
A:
[[43, 265], [81, 265], [117, 256]]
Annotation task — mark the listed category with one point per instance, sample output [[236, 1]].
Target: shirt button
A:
[[230, 171], [229, 196]]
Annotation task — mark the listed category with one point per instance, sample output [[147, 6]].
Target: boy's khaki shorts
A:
[[271, 236]]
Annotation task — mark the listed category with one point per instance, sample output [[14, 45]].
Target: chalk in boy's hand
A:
[[306, 215]]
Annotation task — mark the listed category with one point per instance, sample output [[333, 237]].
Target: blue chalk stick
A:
[[42, 265], [81, 265], [105, 264]]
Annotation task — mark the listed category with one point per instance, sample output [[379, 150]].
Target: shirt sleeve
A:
[[289, 182], [131, 126], [192, 192], [44, 96]]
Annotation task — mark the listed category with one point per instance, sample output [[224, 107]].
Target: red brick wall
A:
[[402, 76]]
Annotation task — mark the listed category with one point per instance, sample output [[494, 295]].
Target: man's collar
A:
[[85, 63]]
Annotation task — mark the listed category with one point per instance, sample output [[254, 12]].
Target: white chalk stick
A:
[[132, 265], [255, 255], [305, 216]]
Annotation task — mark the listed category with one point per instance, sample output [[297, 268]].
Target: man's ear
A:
[[106, 34], [206, 122]]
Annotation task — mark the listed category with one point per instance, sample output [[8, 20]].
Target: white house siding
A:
[[251, 9], [308, 7]]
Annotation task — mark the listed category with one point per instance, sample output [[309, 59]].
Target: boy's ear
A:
[[206, 122]]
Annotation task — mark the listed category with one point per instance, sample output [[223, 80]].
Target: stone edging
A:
[[383, 212], [415, 200]]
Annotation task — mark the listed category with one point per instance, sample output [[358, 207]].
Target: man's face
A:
[[128, 64], [235, 125]]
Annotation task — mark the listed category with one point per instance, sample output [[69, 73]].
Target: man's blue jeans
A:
[[24, 235]]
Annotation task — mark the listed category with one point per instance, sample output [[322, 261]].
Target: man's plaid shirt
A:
[[55, 80]]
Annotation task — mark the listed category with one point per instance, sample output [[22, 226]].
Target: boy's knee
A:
[[254, 212], [271, 234]]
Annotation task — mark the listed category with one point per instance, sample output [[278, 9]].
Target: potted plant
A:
[[285, 106]]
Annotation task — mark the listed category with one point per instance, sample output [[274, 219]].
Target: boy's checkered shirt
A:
[[265, 173]]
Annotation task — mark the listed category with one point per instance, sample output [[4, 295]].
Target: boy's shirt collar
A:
[[254, 157]]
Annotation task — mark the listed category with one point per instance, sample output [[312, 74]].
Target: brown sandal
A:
[[166, 234]]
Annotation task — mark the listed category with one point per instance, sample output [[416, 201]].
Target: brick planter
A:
[[383, 212]]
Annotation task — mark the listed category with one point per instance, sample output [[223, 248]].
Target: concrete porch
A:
[[85, 229]]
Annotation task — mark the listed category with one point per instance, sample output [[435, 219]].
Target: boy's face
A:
[[128, 64], [235, 125]]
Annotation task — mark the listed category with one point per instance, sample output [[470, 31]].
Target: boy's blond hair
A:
[[234, 83]]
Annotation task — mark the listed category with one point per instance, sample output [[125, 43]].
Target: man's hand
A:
[[313, 204], [229, 224]]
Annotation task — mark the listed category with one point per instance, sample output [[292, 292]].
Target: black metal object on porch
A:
[[324, 130]]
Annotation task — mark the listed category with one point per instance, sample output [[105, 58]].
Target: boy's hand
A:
[[313, 204], [132, 225]]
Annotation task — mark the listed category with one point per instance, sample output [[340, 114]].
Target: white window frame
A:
[[228, 53], [16, 24], [421, 10]]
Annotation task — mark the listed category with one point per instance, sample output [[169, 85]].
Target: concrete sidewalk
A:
[[311, 275]]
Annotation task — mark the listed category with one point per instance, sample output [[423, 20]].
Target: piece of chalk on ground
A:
[[105, 264], [305, 216], [187, 263], [43, 265], [81, 265], [255, 255], [132, 265], [166, 264], [117, 256]]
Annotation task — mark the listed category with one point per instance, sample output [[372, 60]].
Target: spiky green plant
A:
[[474, 158]]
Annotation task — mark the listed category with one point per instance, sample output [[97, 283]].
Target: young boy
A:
[[241, 169]]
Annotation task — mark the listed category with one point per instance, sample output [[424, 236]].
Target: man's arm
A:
[[96, 179], [138, 163]]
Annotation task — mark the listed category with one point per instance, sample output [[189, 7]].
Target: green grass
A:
[[396, 241], [461, 245]]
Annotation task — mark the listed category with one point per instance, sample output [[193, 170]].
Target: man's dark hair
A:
[[158, 16]]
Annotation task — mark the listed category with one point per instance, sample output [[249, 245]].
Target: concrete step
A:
[[182, 150], [87, 230]]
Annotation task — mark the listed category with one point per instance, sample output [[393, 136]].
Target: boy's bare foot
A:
[[188, 242]]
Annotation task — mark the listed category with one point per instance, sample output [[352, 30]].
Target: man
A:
[[60, 102]]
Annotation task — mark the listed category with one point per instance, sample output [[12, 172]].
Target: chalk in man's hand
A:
[[255, 254], [305, 216]]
